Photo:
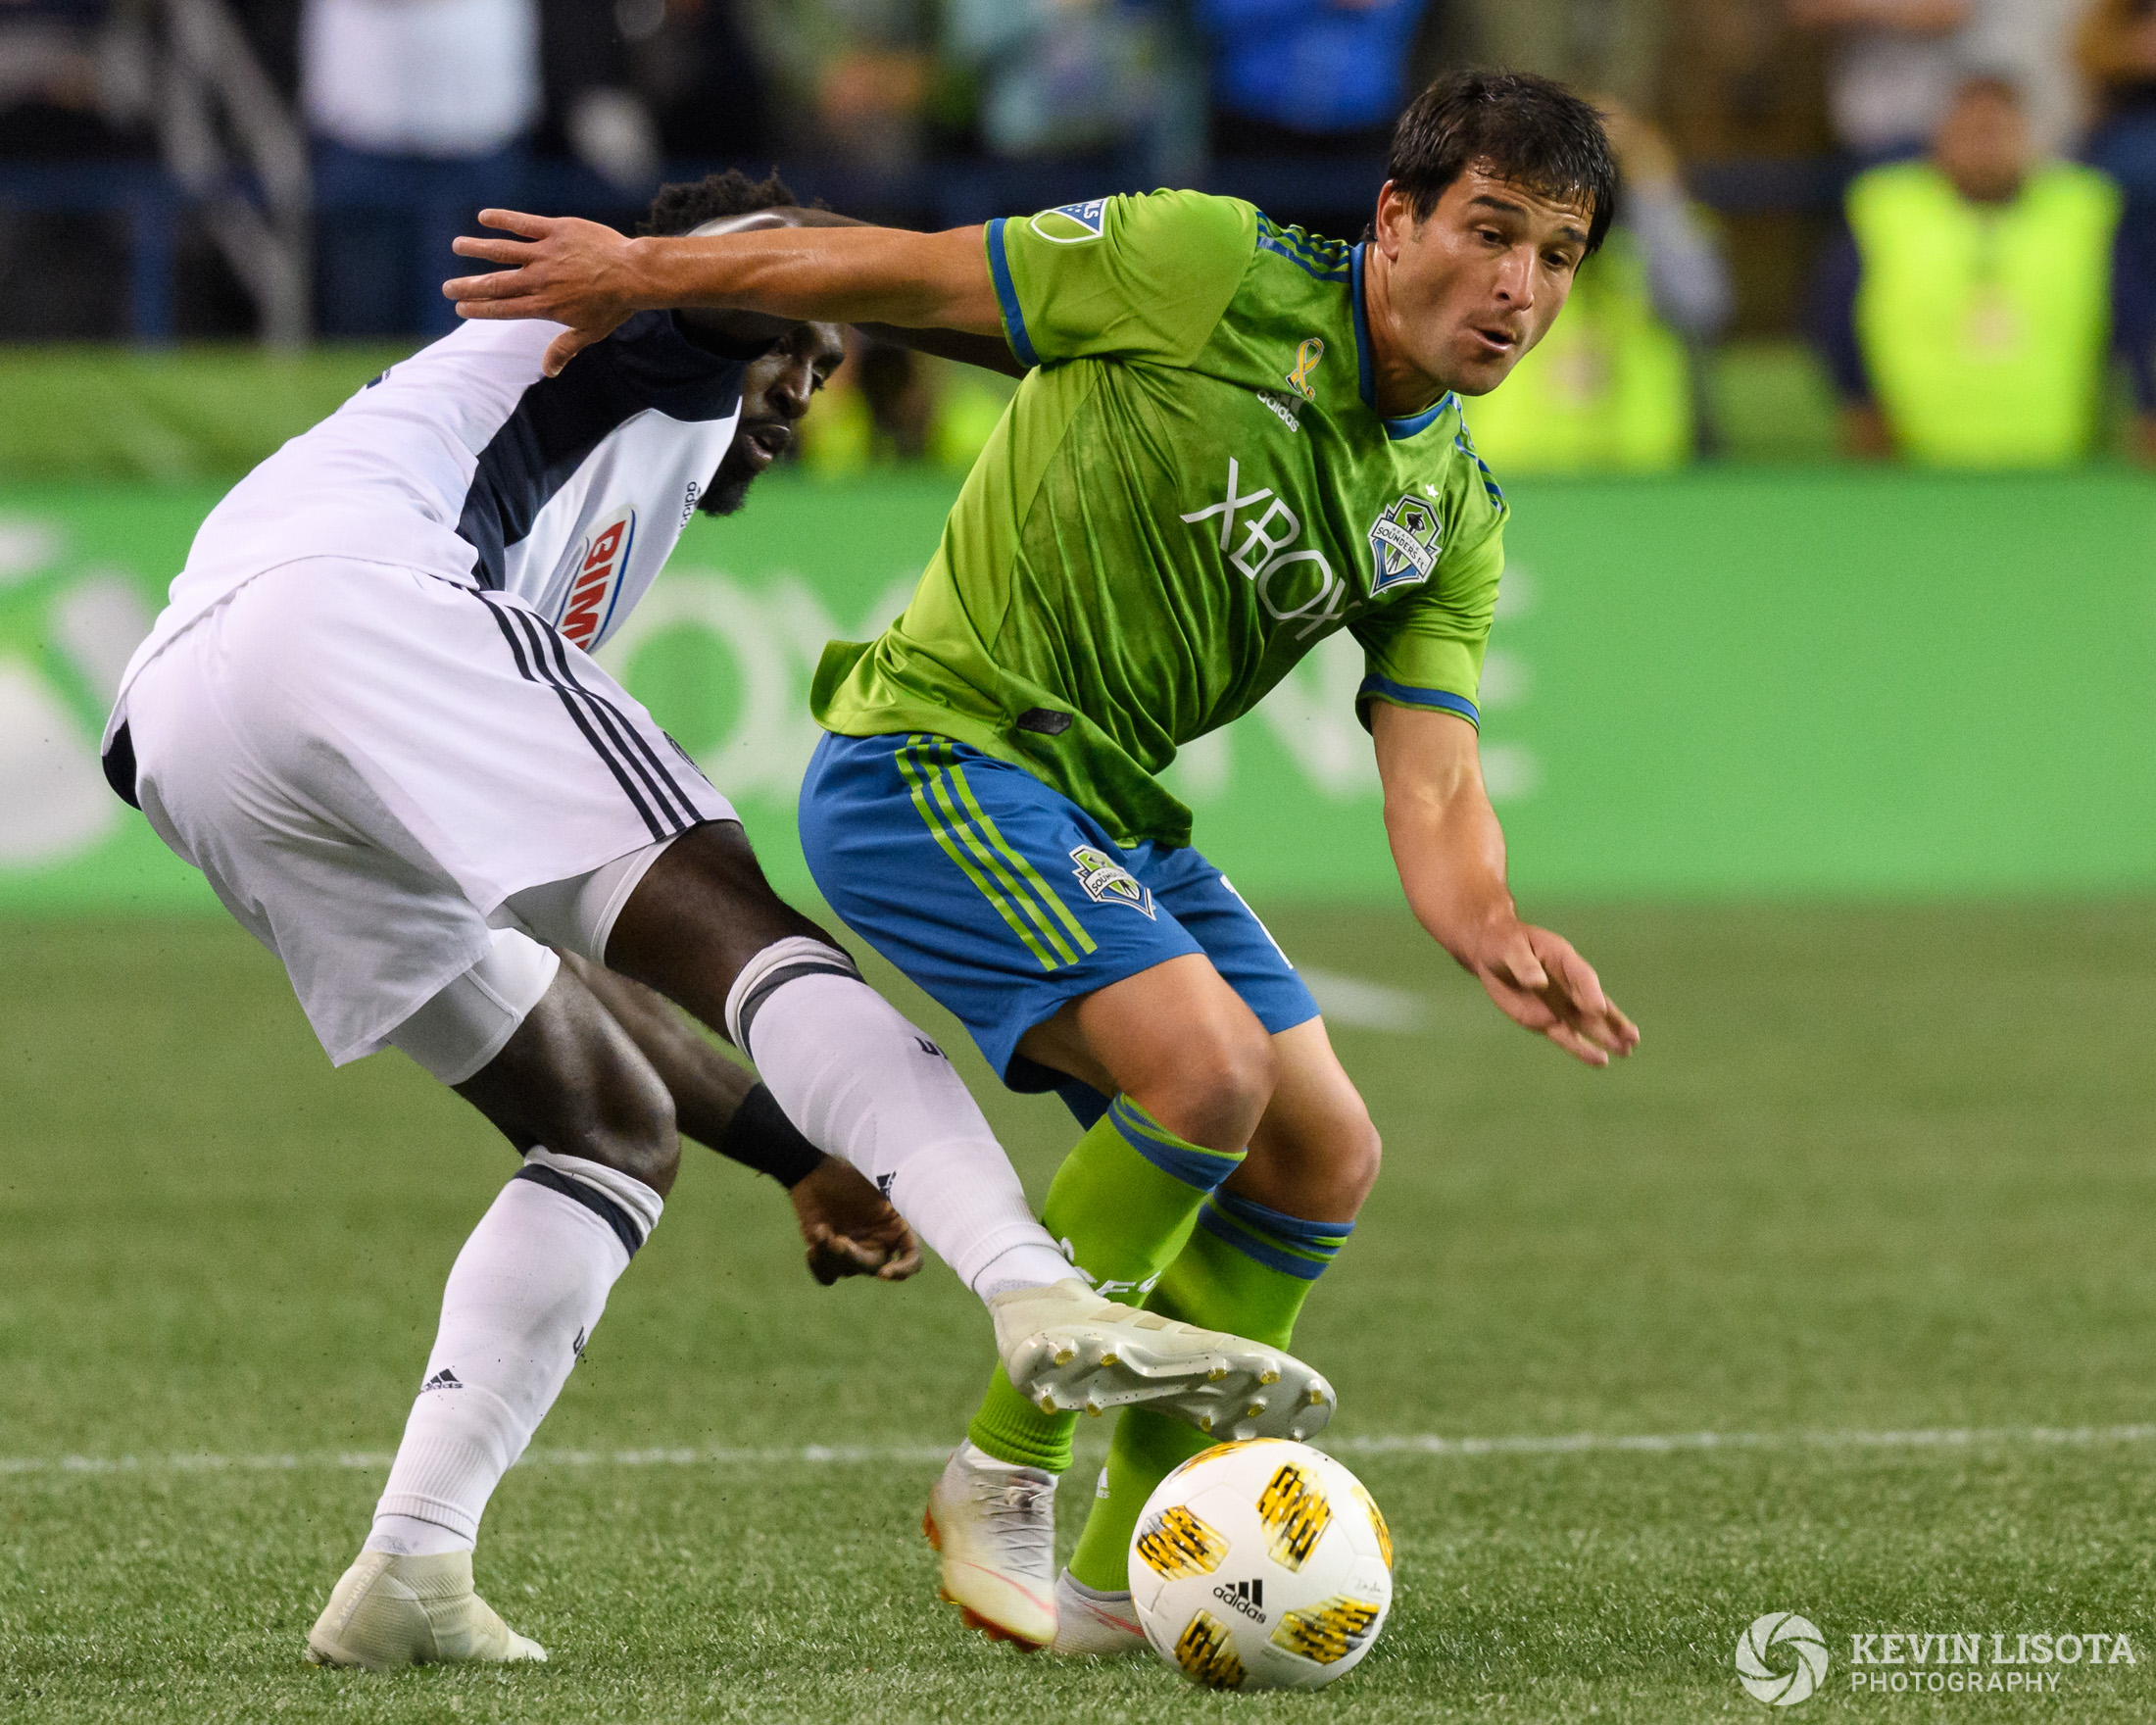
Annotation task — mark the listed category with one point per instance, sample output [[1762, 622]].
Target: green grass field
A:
[[1874, 1171]]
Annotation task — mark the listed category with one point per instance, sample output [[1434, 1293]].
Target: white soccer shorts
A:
[[368, 761]]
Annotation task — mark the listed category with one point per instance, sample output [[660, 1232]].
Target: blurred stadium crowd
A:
[[1953, 202]]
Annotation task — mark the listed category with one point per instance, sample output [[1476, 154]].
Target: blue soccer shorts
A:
[[1003, 899]]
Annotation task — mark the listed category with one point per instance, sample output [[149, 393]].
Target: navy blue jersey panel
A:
[[558, 422]]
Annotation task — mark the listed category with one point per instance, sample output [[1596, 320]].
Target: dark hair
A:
[[684, 207], [1522, 128], [2000, 86]]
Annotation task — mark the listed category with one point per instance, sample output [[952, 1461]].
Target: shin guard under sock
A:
[[1121, 1205], [862, 1084], [1247, 1269], [522, 1298]]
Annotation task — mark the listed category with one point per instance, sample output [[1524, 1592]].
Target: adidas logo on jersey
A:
[[445, 1379], [589, 607]]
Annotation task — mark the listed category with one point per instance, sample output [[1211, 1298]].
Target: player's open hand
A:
[[571, 272], [1545, 986], [850, 1228]]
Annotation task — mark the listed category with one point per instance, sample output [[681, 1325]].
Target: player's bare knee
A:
[[1360, 1156], [626, 1121], [1214, 1084], [1251, 1070]]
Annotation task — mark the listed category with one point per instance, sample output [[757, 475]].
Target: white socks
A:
[[863, 1084], [522, 1298]]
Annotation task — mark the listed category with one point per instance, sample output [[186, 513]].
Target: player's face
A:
[[1475, 283], [1982, 145], [774, 394]]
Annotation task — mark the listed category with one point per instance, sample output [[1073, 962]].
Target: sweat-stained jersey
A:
[[468, 463], [1189, 493]]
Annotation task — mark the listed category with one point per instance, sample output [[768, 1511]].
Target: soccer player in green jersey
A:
[[1233, 440]]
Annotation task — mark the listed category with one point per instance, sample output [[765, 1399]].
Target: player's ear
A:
[[1396, 220]]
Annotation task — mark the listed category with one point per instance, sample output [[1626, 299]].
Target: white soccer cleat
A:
[[995, 1527], [388, 1611], [1091, 1625], [1066, 1350]]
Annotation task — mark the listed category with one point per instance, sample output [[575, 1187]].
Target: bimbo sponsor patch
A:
[[597, 587]]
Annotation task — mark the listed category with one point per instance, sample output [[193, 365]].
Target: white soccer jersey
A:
[[567, 493]]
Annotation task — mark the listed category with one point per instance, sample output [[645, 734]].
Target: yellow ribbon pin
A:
[[1306, 359]]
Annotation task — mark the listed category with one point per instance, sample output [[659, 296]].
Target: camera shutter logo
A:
[[1792, 1635]]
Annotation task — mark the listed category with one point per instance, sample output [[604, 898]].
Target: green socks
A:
[[1247, 1269], [1135, 1206], [1122, 1204]]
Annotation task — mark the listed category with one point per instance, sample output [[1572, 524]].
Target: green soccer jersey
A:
[[1190, 491]]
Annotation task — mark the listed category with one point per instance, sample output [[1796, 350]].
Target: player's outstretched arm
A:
[[1449, 851], [848, 1226], [588, 276]]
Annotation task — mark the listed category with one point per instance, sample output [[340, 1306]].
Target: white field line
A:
[[926, 1454]]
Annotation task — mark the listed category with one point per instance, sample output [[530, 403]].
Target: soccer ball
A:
[[1262, 1564]]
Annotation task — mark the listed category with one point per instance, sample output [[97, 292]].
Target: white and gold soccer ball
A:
[[1262, 1565]]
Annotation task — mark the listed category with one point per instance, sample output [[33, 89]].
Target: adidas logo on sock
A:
[[445, 1379]]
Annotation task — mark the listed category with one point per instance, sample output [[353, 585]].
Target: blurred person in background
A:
[[419, 110], [1059, 78], [888, 403], [853, 78], [875, 410], [1300, 77], [74, 84], [1615, 46], [1969, 319], [591, 110], [700, 72], [74, 78], [2117, 55], [1303, 78], [1609, 388], [1895, 67], [2034, 42], [422, 110]]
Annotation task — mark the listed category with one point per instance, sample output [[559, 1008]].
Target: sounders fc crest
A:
[[1108, 882], [1404, 542]]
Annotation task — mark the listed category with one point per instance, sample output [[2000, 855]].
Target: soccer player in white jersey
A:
[[370, 717]]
